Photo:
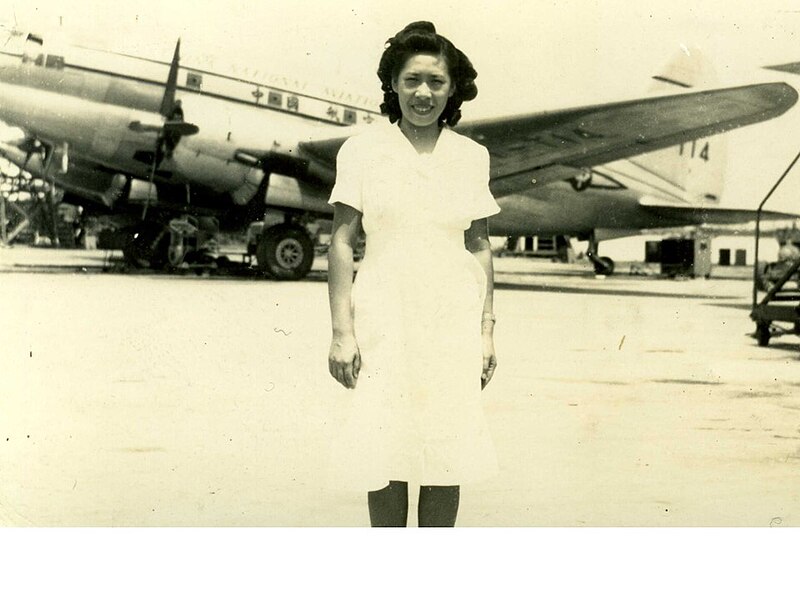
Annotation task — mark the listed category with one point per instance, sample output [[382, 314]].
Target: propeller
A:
[[172, 128]]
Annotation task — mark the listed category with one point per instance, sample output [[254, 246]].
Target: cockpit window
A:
[[34, 52], [54, 62]]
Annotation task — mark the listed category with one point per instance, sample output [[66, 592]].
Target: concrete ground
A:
[[152, 399]]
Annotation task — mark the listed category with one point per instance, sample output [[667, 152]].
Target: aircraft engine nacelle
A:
[[245, 192], [141, 192], [288, 192], [195, 160]]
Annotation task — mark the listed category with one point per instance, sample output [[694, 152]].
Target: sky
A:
[[530, 55]]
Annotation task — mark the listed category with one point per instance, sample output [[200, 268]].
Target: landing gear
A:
[[603, 265], [285, 252], [763, 333]]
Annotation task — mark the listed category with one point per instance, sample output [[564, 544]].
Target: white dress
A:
[[416, 411]]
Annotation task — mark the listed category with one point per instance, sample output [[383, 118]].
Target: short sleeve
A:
[[483, 203], [348, 188]]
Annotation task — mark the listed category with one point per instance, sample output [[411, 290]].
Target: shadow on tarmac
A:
[[787, 346], [569, 282], [529, 287], [236, 272], [233, 272]]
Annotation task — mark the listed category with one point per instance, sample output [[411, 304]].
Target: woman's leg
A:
[[438, 505], [388, 507]]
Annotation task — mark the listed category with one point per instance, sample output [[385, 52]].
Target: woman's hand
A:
[[344, 360], [489, 358]]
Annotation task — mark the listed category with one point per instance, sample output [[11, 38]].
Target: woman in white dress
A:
[[413, 336]]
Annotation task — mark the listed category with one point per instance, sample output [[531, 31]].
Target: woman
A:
[[414, 333]]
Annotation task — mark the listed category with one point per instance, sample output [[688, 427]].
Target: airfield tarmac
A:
[[156, 400]]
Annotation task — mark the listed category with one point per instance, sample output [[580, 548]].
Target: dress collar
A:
[[405, 146]]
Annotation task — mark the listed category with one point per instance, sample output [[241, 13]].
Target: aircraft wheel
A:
[[285, 252], [763, 334], [604, 266]]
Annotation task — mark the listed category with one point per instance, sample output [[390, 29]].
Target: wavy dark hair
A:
[[421, 37]]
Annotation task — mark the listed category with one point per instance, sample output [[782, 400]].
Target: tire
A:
[[763, 334], [604, 266], [285, 252]]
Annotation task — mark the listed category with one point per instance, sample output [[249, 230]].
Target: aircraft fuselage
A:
[[87, 102], [557, 209]]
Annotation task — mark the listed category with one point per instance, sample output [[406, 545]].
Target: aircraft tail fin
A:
[[693, 171]]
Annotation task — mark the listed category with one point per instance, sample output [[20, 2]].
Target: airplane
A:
[[147, 141]]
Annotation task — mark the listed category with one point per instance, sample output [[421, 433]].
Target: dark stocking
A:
[[388, 507], [438, 505]]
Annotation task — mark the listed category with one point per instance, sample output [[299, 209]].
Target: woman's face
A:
[[423, 86]]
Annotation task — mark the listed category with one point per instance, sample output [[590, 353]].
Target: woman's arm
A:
[[476, 240], [344, 360]]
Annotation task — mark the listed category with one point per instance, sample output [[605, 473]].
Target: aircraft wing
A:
[[322, 155], [696, 215], [540, 148]]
